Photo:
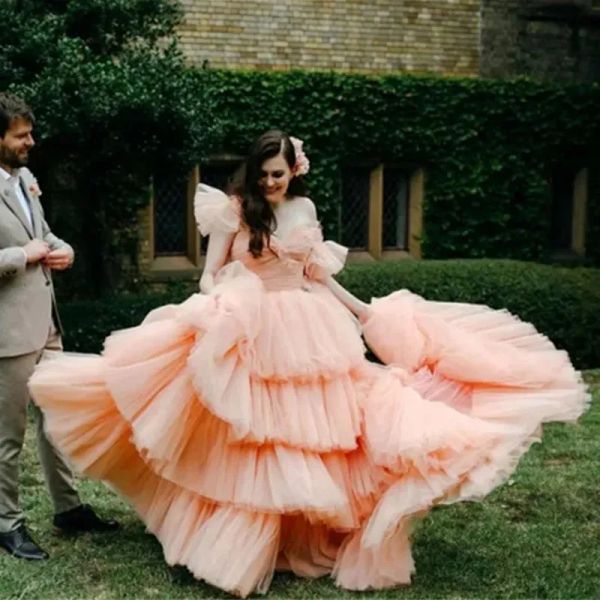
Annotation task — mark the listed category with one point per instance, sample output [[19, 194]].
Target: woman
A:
[[249, 431]]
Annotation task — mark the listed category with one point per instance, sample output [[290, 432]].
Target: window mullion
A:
[[580, 197], [375, 246], [193, 235], [415, 212]]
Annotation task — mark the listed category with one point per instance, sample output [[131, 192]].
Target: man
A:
[[29, 326]]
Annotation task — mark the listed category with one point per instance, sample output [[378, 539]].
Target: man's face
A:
[[16, 144]]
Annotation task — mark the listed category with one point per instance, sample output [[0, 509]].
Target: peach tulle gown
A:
[[250, 433]]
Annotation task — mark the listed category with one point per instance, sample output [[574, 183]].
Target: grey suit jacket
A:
[[27, 300]]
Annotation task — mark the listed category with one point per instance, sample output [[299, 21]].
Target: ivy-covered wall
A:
[[489, 147]]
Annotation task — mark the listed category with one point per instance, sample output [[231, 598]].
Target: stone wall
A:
[[548, 40], [373, 36]]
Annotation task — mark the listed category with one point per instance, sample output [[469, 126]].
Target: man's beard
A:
[[11, 159]]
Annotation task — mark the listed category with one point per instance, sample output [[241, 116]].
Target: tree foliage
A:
[[113, 103]]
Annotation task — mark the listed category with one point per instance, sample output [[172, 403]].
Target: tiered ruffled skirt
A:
[[249, 432]]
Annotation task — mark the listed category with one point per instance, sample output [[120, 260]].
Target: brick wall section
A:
[[378, 36], [562, 48]]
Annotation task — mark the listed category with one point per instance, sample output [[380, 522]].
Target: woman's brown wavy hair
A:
[[256, 211]]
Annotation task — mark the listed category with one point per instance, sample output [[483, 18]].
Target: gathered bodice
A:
[[286, 262], [281, 266]]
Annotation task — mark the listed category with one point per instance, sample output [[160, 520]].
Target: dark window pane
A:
[[562, 209], [220, 176], [355, 207], [170, 215], [395, 208]]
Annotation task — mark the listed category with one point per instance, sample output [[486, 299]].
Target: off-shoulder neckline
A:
[[310, 225]]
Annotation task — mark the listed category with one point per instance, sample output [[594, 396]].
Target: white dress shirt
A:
[[15, 182]]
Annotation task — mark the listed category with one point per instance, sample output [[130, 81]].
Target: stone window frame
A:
[[375, 250], [580, 201], [188, 264], [578, 216]]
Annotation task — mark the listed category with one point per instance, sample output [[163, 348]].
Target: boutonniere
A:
[[34, 190]]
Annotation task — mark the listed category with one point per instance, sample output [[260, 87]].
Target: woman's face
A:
[[274, 179]]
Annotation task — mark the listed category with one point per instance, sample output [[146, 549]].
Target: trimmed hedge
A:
[[562, 303]]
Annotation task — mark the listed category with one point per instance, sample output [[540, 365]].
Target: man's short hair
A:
[[12, 107]]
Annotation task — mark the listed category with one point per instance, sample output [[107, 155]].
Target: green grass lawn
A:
[[536, 537]]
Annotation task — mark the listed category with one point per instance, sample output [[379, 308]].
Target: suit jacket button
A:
[[47, 282]]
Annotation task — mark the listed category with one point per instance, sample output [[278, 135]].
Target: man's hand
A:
[[36, 250], [59, 260]]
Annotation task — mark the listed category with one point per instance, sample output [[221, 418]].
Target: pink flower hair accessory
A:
[[302, 165]]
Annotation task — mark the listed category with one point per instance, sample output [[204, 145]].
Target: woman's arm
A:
[[350, 301], [219, 244]]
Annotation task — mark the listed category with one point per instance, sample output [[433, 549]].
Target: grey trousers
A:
[[15, 372]]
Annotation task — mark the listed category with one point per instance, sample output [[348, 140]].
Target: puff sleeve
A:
[[215, 211], [325, 258]]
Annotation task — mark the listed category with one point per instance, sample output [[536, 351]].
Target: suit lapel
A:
[[25, 180], [10, 199]]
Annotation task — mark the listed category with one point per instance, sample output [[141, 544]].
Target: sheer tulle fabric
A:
[[250, 433]]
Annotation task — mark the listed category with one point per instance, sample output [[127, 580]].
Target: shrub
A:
[[562, 303]]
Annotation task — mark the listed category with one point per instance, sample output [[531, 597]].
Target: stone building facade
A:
[[546, 39]]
